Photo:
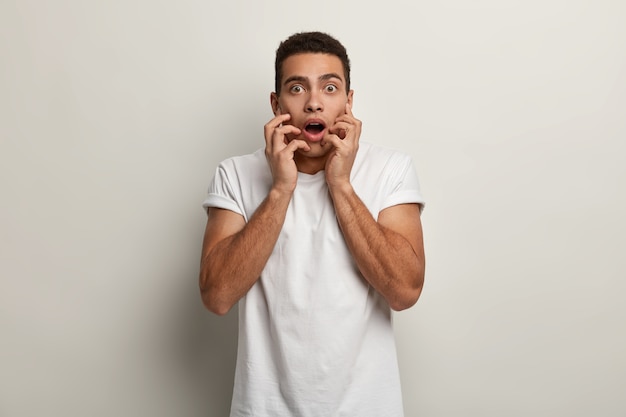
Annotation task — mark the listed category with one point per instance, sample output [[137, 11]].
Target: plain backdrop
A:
[[114, 115]]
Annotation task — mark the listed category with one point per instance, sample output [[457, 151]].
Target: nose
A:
[[314, 102]]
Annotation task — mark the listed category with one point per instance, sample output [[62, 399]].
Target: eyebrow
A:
[[323, 77]]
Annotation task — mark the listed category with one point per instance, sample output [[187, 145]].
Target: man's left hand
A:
[[344, 137]]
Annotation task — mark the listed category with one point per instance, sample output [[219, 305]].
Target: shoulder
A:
[[252, 161], [249, 167], [246, 170], [378, 155]]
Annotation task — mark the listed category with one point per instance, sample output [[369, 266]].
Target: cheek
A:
[[289, 106], [339, 109], [340, 105]]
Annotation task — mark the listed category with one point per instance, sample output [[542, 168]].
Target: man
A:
[[317, 237]]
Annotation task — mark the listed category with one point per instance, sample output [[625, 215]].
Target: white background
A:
[[114, 115]]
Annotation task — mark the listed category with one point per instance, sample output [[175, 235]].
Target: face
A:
[[313, 92]]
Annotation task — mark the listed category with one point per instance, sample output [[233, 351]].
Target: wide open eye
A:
[[296, 89], [330, 88]]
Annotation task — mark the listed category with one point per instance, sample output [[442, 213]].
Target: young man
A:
[[317, 237]]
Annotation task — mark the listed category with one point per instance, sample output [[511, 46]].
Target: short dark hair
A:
[[310, 42]]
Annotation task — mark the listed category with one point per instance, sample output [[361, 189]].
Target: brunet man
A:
[[317, 237]]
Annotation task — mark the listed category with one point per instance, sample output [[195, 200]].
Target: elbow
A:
[[406, 301], [408, 297], [214, 304], [220, 310], [213, 298]]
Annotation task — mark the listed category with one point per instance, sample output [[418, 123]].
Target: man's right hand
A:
[[279, 151]]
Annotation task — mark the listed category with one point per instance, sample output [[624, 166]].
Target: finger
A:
[[280, 133], [275, 122], [280, 138], [334, 140], [280, 119], [340, 125], [296, 144], [348, 119], [277, 136], [349, 115], [341, 129], [353, 128]]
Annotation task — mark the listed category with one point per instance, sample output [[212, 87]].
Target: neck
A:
[[309, 165]]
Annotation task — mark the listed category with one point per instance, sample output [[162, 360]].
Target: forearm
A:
[[385, 258], [232, 266]]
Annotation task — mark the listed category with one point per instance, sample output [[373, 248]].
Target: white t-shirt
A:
[[314, 338]]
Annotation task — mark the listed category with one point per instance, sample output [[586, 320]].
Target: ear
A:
[[350, 97], [274, 103]]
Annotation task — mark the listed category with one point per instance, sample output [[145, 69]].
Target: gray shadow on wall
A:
[[217, 354], [206, 344], [206, 351], [198, 348]]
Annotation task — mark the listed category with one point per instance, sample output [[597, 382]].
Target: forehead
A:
[[312, 65]]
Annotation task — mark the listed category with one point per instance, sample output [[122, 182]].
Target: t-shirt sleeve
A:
[[405, 187], [221, 194]]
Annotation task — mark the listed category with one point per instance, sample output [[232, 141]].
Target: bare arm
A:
[[388, 252], [235, 252]]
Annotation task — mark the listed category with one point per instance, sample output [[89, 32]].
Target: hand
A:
[[279, 152], [344, 137]]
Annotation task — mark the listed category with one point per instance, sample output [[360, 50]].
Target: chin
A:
[[317, 150]]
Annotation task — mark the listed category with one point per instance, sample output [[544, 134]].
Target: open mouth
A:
[[314, 128]]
